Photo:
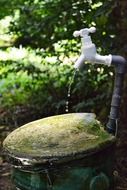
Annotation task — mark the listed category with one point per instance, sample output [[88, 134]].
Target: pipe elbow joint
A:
[[120, 63]]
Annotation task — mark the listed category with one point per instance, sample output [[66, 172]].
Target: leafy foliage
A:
[[36, 80], [43, 23], [39, 85]]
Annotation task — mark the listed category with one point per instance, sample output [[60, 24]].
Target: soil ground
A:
[[120, 172]]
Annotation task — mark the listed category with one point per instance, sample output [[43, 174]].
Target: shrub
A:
[[35, 84]]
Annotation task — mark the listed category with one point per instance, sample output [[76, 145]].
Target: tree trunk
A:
[[119, 16]]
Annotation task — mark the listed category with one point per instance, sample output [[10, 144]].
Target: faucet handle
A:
[[84, 32]]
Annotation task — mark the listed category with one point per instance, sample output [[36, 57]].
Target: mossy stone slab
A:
[[57, 137]]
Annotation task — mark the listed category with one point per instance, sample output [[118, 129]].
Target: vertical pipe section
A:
[[120, 69]]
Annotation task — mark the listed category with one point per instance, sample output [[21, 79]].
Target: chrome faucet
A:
[[88, 49]]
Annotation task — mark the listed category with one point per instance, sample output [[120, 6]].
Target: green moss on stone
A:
[[60, 135]]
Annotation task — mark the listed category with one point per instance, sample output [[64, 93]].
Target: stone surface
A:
[[58, 136]]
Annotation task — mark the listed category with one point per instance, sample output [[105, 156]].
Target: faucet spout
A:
[[80, 61]]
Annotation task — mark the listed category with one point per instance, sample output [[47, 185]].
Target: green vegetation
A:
[[37, 56]]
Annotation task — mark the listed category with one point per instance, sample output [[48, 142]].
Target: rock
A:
[[57, 137]]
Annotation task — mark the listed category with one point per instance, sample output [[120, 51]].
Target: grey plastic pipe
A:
[[120, 64]]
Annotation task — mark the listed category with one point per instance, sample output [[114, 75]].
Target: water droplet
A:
[[69, 90], [66, 110], [67, 103]]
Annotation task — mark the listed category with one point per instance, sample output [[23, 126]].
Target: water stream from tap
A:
[[71, 81]]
